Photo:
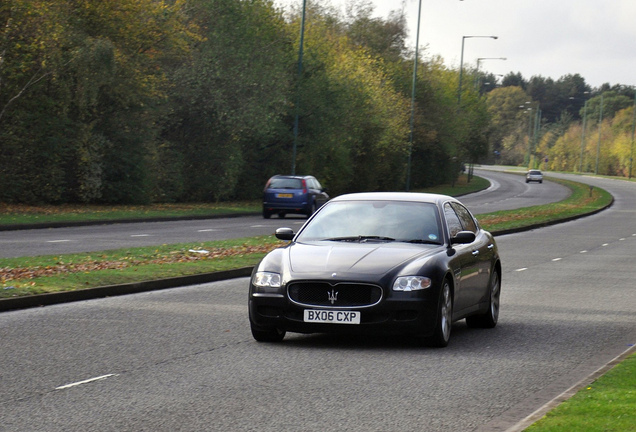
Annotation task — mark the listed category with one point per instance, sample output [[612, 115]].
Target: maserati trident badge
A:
[[332, 296]]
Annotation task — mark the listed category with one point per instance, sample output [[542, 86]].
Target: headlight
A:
[[266, 280], [411, 283]]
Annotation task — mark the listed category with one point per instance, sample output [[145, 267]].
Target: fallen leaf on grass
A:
[[26, 273]]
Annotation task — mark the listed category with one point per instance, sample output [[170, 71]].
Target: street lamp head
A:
[[474, 36]]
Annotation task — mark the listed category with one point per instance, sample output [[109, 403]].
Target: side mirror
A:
[[463, 237], [284, 234]]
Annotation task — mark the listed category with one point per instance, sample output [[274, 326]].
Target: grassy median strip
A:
[[57, 273], [605, 405]]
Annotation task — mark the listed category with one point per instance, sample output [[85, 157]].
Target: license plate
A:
[[284, 195], [332, 317]]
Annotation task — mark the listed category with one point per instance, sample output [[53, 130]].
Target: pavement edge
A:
[[38, 300]]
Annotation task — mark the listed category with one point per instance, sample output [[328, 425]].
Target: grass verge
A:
[[56, 273], [20, 214], [605, 405]]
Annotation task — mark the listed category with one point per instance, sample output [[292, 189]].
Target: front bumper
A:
[[406, 313]]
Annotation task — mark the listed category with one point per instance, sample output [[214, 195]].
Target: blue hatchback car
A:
[[285, 194]]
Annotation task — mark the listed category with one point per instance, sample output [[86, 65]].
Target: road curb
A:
[[121, 289], [552, 222]]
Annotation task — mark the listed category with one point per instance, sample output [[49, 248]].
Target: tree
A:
[[508, 122], [230, 96], [81, 83], [383, 38], [514, 80]]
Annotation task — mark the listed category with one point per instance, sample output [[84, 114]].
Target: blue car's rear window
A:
[[285, 183]]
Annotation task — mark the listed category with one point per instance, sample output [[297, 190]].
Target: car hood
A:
[[370, 259]]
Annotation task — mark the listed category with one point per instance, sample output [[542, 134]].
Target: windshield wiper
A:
[[361, 238], [422, 241]]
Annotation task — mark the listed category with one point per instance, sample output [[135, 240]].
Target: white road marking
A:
[[557, 259], [140, 235], [207, 230], [605, 244], [75, 384], [522, 269], [583, 251], [57, 241]]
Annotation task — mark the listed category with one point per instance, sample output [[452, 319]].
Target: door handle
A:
[[475, 253]]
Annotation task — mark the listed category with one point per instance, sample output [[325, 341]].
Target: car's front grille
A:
[[342, 294]]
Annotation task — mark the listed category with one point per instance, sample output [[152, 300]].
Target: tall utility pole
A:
[[631, 151], [583, 136], [300, 71], [461, 66], [417, 40], [600, 127]]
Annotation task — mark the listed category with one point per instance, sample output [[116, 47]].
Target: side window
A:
[[464, 216], [317, 185], [454, 225]]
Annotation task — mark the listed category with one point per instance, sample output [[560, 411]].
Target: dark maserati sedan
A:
[[405, 263]]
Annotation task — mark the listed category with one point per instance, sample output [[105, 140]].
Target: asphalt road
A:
[[507, 192], [183, 359]]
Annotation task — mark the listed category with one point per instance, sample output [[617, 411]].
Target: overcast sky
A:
[[552, 38]]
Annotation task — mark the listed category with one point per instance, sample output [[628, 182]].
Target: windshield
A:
[[286, 183], [366, 221]]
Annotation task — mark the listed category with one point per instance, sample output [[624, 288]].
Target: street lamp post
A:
[[600, 127], [479, 60], [534, 127], [488, 58], [461, 65], [528, 110], [583, 131], [417, 40], [631, 152], [300, 70], [459, 87]]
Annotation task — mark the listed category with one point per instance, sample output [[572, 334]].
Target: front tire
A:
[[441, 335], [270, 335], [491, 317]]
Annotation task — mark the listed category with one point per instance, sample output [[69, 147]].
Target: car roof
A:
[[396, 196]]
